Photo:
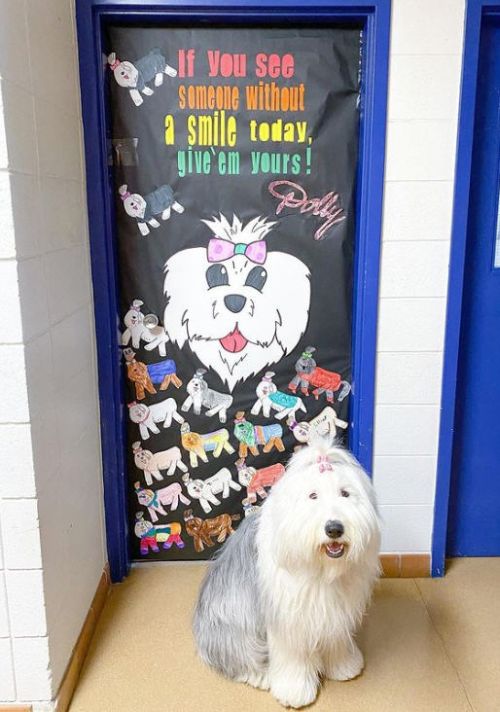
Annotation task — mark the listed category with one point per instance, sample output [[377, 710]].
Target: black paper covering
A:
[[327, 62]]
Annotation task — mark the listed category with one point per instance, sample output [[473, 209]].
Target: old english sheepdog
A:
[[280, 605]]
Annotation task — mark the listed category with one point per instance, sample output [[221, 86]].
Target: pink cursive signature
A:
[[292, 195]]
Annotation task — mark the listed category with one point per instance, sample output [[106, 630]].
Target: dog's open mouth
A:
[[335, 550], [234, 341]]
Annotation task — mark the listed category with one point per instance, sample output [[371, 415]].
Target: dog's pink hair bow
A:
[[324, 464], [219, 250]]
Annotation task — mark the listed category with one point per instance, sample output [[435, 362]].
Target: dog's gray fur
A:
[[228, 622]]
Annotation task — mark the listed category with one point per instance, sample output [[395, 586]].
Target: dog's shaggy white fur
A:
[[280, 605]]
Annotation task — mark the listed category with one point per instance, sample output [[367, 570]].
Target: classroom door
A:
[[474, 514], [234, 167]]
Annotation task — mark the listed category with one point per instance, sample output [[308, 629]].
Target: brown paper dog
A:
[[137, 372], [202, 530]]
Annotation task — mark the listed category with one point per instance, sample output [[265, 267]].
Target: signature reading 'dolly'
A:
[[292, 195]]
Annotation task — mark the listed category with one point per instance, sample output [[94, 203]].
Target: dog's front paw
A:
[[347, 667], [295, 691]]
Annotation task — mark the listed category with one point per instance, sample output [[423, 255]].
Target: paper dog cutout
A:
[[205, 490], [202, 530], [309, 374], [151, 535], [152, 462], [146, 417], [144, 376], [198, 445], [325, 423], [143, 328], [256, 480], [154, 501], [270, 398], [201, 396], [251, 436], [136, 330], [135, 76], [145, 209]]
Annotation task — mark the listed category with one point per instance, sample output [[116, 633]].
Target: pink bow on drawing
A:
[[219, 250]]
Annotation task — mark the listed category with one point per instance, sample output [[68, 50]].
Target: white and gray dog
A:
[[280, 604]]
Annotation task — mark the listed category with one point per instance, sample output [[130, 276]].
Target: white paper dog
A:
[[324, 424], [281, 603], [152, 462], [145, 209], [205, 490], [201, 396], [146, 417], [141, 328], [239, 307], [136, 76], [155, 501], [270, 398], [136, 328]]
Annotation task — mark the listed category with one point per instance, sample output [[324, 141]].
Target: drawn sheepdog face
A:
[[142, 458], [240, 307], [145, 497], [126, 74], [134, 205], [133, 318], [323, 513], [138, 412]]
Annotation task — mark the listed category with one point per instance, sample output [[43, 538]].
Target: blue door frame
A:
[[477, 13], [374, 17]]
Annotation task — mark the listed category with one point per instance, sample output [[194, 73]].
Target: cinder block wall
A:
[[425, 67], [52, 535], [51, 520]]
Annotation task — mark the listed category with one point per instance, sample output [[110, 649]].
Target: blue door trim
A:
[[476, 11], [374, 17]]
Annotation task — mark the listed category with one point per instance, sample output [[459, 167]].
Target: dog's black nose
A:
[[334, 529], [235, 302]]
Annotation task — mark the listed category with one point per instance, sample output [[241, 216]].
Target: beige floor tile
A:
[[465, 609], [142, 657]]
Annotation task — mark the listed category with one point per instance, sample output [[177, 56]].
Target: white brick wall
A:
[[52, 548], [425, 64]]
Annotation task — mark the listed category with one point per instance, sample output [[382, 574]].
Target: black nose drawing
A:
[[235, 302], [334, 529]]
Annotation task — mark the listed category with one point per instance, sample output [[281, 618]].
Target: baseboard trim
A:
[[74, 668], [405, 565], [15, 708]]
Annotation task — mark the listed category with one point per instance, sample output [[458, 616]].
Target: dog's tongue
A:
[[234, 342]]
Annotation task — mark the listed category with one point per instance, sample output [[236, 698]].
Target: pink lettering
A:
[[292, 195]]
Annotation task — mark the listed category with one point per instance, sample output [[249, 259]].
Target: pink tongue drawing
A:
[[234, 342]]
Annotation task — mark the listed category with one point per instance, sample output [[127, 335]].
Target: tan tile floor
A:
[[430, 646]]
